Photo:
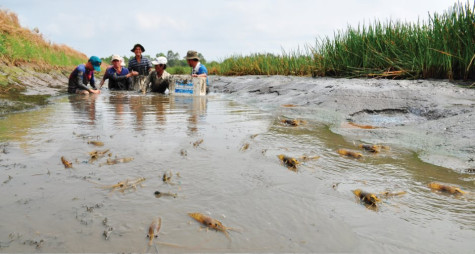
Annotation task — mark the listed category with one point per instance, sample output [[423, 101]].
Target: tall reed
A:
[[441, 47]]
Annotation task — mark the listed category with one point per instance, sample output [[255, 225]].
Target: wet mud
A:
[[180, 155], [435, 119]]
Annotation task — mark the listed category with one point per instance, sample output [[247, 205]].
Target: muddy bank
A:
[[28, 86], [435, 119]]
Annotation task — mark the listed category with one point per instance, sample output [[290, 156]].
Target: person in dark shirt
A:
[[83, 75], [159, 79], [140, 64], [119, 77], [122, 63]]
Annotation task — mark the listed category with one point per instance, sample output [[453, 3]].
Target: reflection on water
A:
[[48, 208]]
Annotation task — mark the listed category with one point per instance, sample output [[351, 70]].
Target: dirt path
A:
[[435, 119]]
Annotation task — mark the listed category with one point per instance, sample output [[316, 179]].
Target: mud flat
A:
[[435, 119]]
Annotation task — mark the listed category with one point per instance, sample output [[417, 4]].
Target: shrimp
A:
[[166, 178], [211, 223], [388, 194], [293, 122], [289, 162], [154, 229], [96, 143], [121, 160], [368, 198], [245, 147], [371, 148], [197, 143], [309, 158], [66, 163], [446, 188], [97, 154], [350, 153], [362, 126]]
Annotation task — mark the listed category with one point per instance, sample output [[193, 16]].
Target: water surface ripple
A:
[[45, 207]]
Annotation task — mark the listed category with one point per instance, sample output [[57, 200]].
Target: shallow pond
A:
[[46, 207]]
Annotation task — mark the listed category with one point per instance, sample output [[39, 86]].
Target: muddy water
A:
[[47, 208]]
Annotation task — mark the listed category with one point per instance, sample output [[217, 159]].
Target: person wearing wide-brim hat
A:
[[197, 68], [159, 79], [83, 75], [141, 65]]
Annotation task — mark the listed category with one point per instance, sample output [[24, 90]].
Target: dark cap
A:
[[138, 45]]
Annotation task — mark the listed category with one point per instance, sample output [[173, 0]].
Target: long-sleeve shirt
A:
[[79, 78], [118, 81], [157, 84]]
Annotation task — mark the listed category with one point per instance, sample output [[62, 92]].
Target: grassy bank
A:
[[21, 45], [25, 53], [443, 47]]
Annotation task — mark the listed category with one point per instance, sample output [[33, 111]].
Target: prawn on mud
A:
[[290, 162], [292, 122], [370, 200], [349, 153], [446, 189], [96, 143], [153, 232], [373, 148], [66, 163], [122, 186], [209, 222]]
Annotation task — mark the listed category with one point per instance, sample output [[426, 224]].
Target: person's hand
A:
[[134, 73], [96, 91], [194, 75]]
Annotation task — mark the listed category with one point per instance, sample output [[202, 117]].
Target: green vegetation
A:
[[20, 45], [442, 47], [22, 49]]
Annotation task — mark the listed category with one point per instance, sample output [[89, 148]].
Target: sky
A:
[[215, 28]]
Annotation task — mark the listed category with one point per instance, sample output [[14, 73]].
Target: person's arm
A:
[[202, 72], [93, 84], [106, 76], [80, 78]]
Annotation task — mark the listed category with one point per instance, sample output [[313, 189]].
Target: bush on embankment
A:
[[442, 47]]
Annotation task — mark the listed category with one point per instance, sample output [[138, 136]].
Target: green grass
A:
[[441, 47], [178, 70], [20, 49]]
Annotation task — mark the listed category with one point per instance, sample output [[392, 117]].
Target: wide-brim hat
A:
[[138, 45], [191, 54]]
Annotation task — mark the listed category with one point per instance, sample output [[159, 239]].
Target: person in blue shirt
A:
[[122, 63], [83, 75], [119, 77], [197, 69]]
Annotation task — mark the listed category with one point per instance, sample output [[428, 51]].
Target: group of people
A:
[[141, 74]]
